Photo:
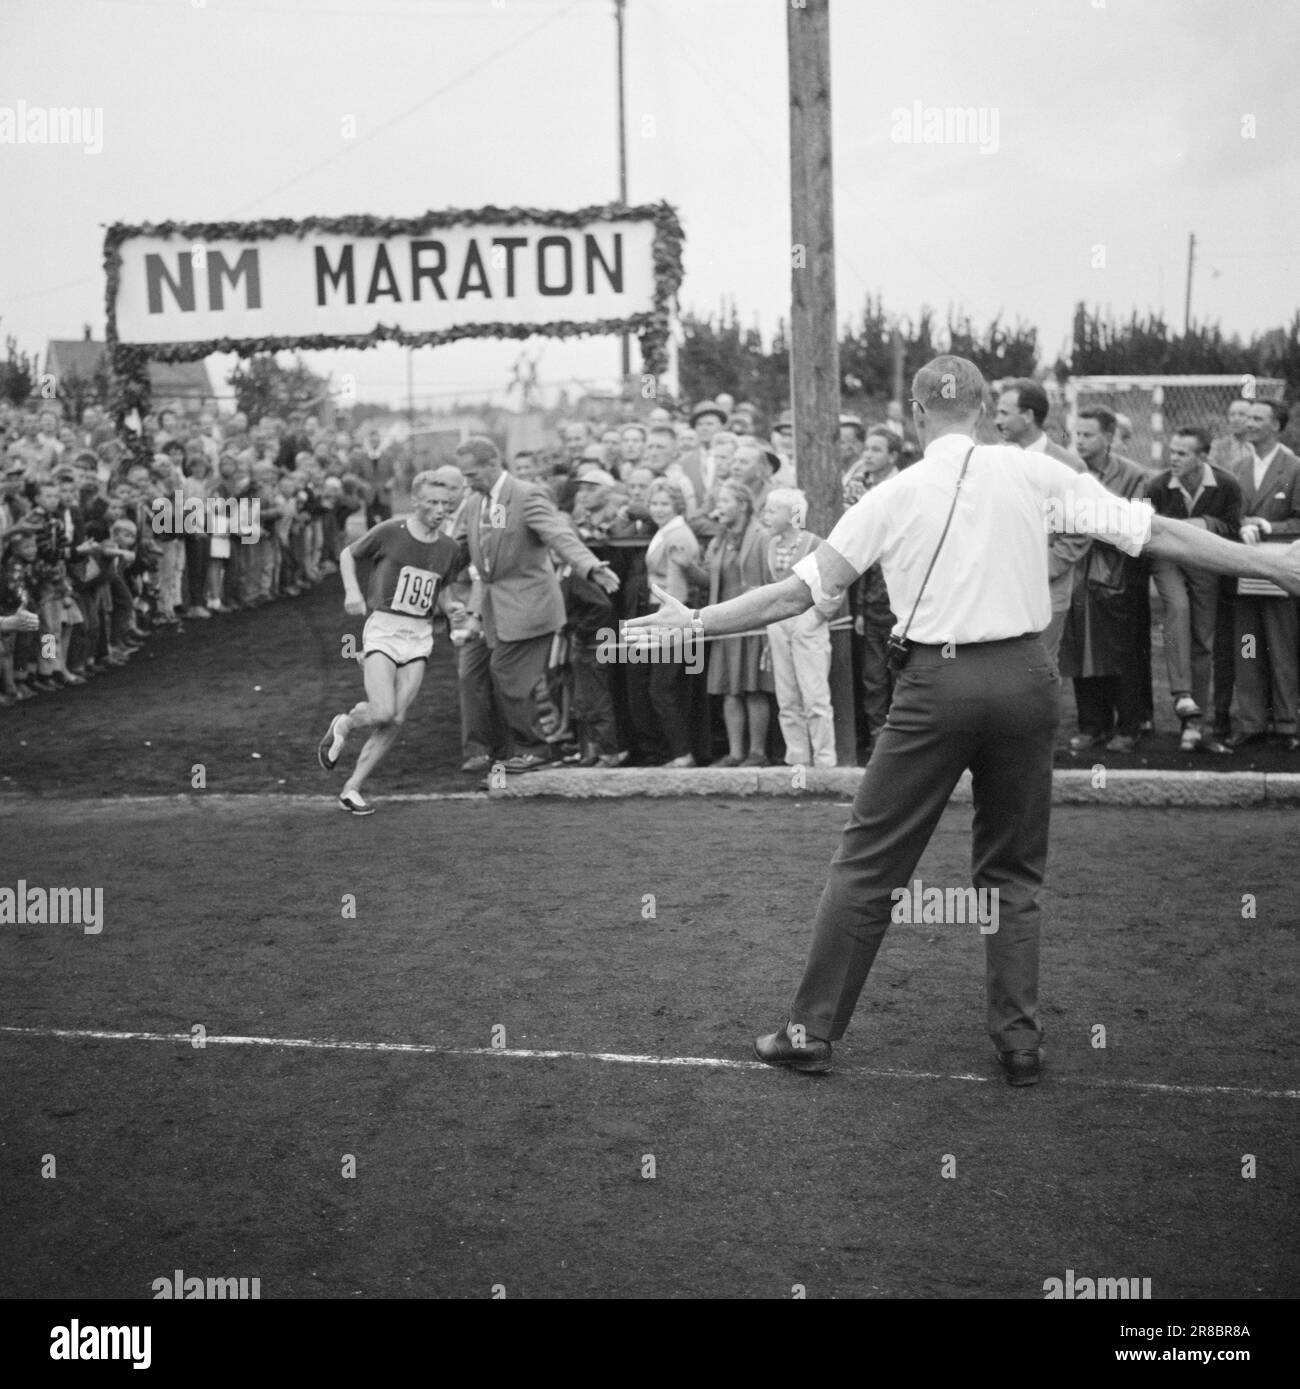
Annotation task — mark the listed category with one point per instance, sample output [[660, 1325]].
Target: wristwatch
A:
[[697, 623]]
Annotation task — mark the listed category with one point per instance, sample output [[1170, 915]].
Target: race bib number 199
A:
[[414, 591]]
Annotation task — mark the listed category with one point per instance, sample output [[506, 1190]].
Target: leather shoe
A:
[[1242, 740], [1021, 1067], [776, 1049], [525, 762]]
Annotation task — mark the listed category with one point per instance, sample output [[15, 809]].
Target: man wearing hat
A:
[[12, 505], [783, 441], [509, 528], [706, 419]]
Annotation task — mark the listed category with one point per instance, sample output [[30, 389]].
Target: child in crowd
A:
[[801, 646]]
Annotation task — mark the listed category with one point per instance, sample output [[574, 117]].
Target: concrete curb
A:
[[1070, 786], [1099, 786]]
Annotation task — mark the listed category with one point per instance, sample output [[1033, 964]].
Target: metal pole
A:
[[626, 342]]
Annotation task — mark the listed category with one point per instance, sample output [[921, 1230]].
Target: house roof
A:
[[81, 357]]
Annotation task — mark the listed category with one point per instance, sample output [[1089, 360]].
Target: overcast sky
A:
[[1118, 124]]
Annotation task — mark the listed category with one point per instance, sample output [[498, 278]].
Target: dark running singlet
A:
[[405, 572]]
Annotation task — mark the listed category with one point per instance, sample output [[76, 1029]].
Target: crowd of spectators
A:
[[706, 507], [99, 550], [703, 505]]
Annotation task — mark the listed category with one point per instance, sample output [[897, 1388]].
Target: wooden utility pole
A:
[[814, 343], [625, 355]]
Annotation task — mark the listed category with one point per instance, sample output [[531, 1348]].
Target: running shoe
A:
[[351, 802], [330, 748]]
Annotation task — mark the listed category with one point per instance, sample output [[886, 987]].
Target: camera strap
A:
[[902, 637]]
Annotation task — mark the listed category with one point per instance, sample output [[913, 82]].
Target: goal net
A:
[[1156, 406]]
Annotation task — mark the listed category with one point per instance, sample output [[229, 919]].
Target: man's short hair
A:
[[666, 430], [449, 475], [1106, 419], [1029, 396], [480, 448], [1280, 413], [892, 441], [1194, 431], [428, 478], [633, 424], [950, 386], [525, 453], [855, 424]]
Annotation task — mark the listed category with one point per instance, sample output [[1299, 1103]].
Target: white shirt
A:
[[1039, 445], [1262, 464], [990, 579]]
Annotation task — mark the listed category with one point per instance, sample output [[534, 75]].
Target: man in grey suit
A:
[[509, 528], [1268, 668], [1022, 408]]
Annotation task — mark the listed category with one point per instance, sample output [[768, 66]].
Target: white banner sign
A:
[[446, 280]]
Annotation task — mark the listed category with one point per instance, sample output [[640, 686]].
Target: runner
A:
[[409, 559]]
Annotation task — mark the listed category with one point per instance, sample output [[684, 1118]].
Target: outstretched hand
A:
[[605, 578], [671, 613]]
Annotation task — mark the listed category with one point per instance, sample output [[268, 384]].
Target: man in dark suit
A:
[[509, 527], [1268, 664], [1105, 648], [1022, 409], [1210, 498]]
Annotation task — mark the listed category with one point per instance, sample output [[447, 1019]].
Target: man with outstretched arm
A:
[[976, 689]]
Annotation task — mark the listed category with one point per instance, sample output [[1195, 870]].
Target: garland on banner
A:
[[130, 363]]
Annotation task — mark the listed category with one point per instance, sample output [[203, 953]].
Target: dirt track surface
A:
[[248, 695], [475, 1170]]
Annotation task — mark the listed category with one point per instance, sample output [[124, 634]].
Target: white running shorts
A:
[[401, 639]]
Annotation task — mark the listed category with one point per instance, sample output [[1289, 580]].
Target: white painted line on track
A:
[[616, 1058]]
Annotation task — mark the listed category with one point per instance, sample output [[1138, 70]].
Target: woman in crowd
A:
[[196, 487], [673, 551], [740, 669]]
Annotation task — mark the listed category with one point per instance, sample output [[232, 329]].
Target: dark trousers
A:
[[1110, 703], [1268, 672], [877, 680], [668, 698], [1225, 652], [634, 705], [123, 610], [593, 707], [196, 569], [510, 672], [993, 708], [481, 727]]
